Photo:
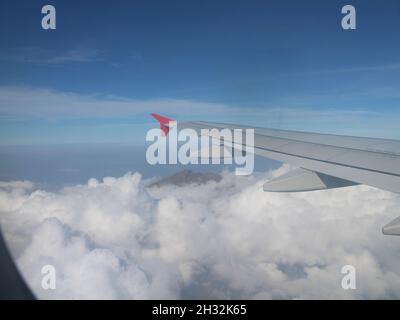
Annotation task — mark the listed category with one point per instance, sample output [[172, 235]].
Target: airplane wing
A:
[[325, 161]]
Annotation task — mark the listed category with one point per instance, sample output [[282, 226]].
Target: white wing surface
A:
[[325, 161]]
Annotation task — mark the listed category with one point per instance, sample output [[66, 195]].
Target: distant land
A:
[[186, 177]]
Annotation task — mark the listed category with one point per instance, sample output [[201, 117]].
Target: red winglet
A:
[[164, 123]]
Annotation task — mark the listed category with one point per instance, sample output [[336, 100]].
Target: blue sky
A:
[[285, 64]]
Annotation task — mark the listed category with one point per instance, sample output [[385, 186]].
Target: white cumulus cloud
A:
[[116, 239]]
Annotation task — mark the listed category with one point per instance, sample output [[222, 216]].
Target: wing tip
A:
[[164, 123]]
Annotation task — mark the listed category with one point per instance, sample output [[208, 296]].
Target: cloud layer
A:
[[49, 103], [116, 239], [45, 103], [43, 57], [66, 117]]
